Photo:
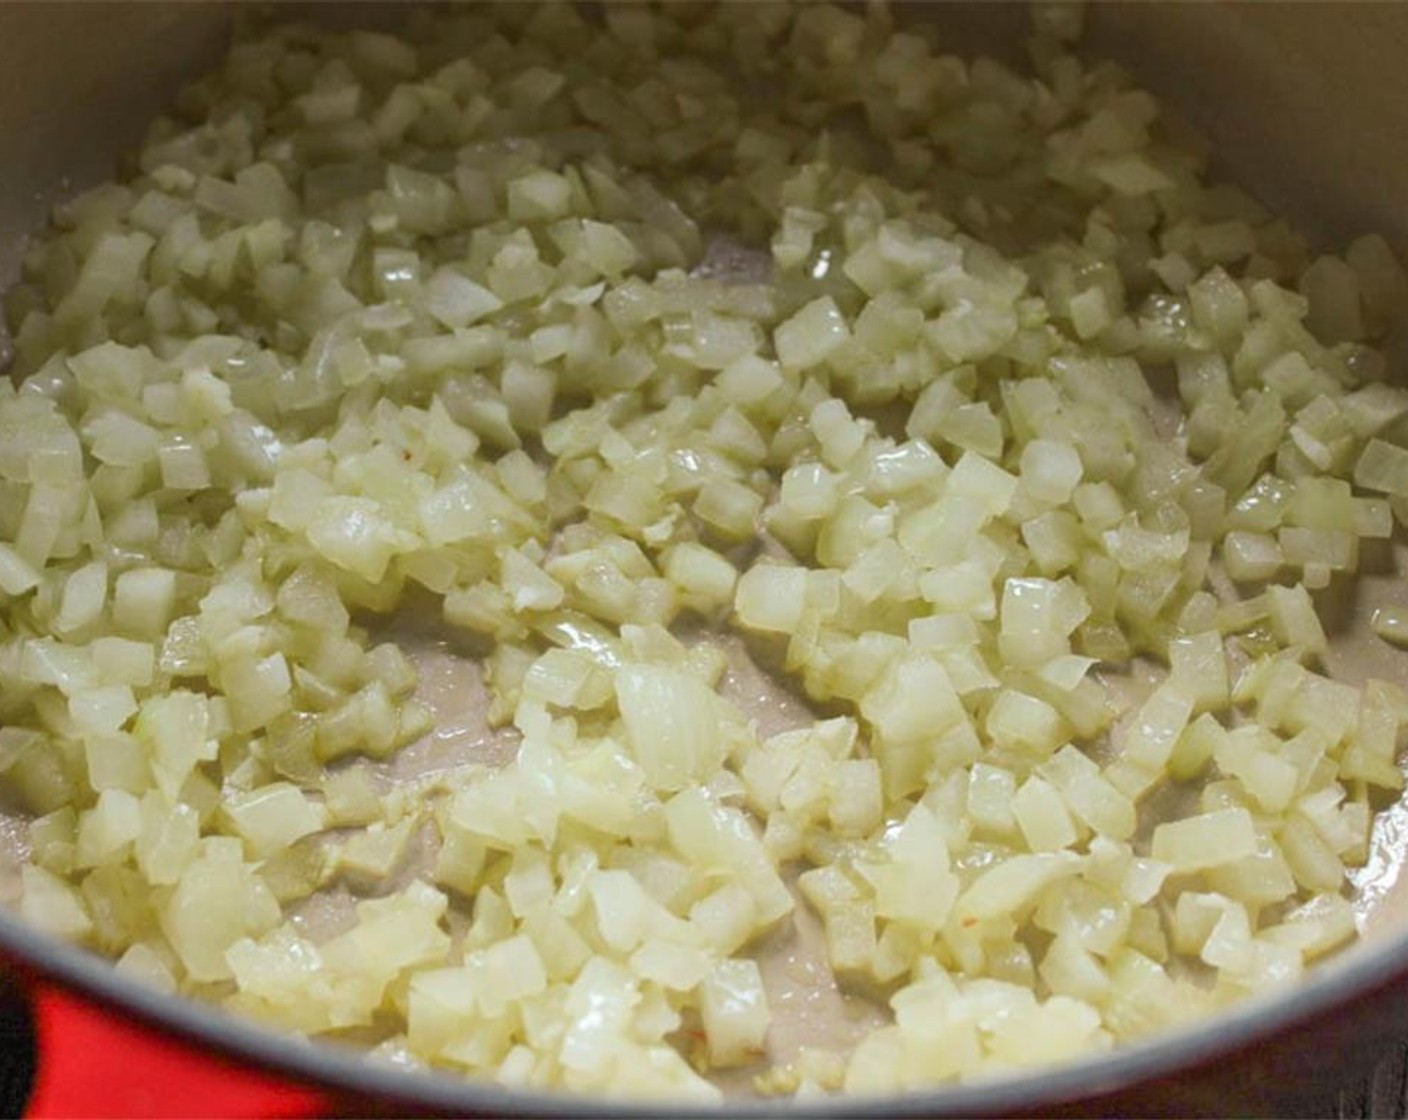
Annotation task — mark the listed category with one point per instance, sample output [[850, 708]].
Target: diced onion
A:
[[427, 323]]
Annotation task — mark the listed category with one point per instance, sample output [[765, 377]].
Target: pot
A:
[[1306, 104]]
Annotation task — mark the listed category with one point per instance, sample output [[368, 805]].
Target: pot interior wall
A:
[[1307, 108]]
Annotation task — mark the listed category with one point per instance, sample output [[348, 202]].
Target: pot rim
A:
[[1329, 987]]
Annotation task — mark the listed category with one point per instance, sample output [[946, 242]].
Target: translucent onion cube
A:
[[914, 700], [734, 1008], [771, 597], [672, 724], [1050, 471], [1207, 840], [272, 817], [811, 335]]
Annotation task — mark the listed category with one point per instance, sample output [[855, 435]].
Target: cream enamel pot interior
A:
[[1306, 104]]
